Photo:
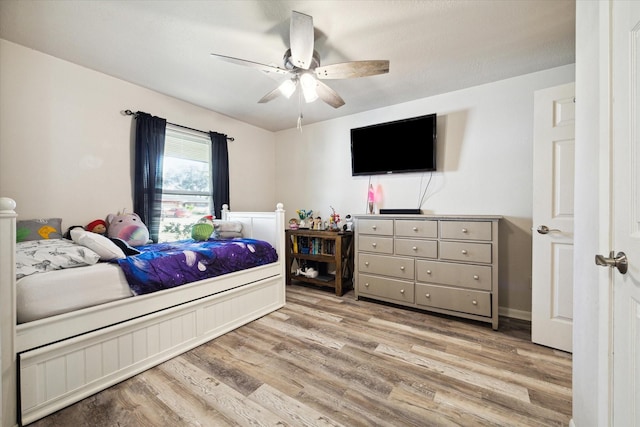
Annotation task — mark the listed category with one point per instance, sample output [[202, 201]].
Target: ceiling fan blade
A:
[[347, 70], [286, 89], [329, 95], [270, 96], [256, 65], [301, 40]]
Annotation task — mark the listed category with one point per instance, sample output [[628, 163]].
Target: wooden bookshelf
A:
[[328, 252]]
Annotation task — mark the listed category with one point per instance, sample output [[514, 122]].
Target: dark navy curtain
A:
[[149, 154], [220, 172]]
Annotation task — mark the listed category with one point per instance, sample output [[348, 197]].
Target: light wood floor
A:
[[328, 361]]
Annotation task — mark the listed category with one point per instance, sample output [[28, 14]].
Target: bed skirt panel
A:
[[60, 374], [45, 331]]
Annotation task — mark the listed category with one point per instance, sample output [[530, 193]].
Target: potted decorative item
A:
[[304, 217], [334, 219]]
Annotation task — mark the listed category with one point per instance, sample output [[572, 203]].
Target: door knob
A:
[[619, 261], [543, 229]]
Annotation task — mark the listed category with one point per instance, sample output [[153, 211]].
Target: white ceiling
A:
[[433, 46]]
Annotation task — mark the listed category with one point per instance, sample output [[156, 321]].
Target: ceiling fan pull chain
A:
[[299, 124]]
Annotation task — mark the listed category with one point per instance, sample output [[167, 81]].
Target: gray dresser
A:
[[446, 264]]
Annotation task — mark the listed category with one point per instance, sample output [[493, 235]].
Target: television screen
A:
[[401, 146]]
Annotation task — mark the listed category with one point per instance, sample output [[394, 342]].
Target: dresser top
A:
[[432, 217]]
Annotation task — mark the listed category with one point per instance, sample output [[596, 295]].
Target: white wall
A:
[[66, 149], [485, 136]]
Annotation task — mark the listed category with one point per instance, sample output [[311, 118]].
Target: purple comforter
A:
[[167, 265]]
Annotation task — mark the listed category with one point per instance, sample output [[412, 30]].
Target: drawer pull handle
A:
[[374, 227], [427, 295], [366, 263], [428, 271], [402, 268], [402, 291], [374, 244], [464, 252], [415, 228], [464, 230], [474, 302], [414, 248], [366, 285], [476, 277]]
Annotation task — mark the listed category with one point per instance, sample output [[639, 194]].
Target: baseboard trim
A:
[[515, 314]]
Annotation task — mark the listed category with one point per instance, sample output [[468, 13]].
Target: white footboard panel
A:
[[63, 373]]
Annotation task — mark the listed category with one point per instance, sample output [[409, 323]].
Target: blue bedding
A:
[[167, 265]]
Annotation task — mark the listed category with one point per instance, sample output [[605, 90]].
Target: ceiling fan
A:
[[302, 66]]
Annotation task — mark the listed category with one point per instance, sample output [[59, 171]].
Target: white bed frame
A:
[[51, 363]]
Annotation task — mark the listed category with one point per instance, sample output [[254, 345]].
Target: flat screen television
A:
[[401, 146]]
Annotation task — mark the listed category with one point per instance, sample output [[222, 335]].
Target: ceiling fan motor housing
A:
[[315, 61]]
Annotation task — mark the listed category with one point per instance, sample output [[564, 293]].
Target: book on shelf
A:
[[313, 245]]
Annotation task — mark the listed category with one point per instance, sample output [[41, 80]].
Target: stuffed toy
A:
[[203, 229], [127, 227], [67, 234], [98, 226]]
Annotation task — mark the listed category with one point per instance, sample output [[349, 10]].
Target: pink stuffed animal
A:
[[128, 227]]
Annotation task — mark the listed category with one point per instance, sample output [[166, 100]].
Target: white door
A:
[[553, 187], [626, 212]]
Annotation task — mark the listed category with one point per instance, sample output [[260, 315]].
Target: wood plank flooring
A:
[[324, 360]]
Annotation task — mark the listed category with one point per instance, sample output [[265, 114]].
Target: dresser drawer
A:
[[401, 268], [466, 251], [465, 230], [417, 248], [461, 275], [381, 287], [416, 228], [462, 300], [379, 227], [381, 245]]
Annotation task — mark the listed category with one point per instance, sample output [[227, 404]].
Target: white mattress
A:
[[46, 294]]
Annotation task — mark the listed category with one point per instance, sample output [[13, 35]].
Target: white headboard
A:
[[260, 225]]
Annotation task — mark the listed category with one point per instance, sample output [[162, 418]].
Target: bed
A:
[[52, 362]]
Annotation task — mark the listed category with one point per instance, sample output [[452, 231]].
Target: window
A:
[[187, 193]]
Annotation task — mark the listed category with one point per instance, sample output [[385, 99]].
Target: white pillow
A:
[[99, 244], [235, 226], [38, 256]]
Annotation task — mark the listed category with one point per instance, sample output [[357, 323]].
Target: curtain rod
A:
[[131, 113]]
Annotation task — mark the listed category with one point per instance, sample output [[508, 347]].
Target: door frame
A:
[[592, 379]]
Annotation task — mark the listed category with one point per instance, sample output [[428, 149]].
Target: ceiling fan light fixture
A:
[[308, 83], [287, 88]]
